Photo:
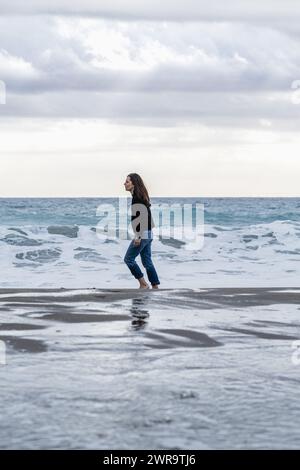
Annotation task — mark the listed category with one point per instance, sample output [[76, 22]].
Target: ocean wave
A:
[[257, 254]]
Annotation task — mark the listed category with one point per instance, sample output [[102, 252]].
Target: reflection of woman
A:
[[141, 245]]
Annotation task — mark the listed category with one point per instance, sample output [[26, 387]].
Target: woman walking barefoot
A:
[[141, 244]]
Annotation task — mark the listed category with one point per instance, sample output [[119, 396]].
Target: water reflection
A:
[[139, 313]]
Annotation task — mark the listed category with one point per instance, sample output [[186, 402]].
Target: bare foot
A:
[[143, 283]]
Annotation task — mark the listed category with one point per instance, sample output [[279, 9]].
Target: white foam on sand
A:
[[64, 293], [288, 291]]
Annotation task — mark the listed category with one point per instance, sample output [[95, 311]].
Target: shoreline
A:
[[222, 295]]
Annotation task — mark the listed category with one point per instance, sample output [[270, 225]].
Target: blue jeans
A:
[[143, 249]]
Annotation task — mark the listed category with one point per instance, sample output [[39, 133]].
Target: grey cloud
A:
[[214, 72], [191, 10], [208, 108], [202, 58]]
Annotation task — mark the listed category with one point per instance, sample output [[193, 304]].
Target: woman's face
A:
[[128, 184]]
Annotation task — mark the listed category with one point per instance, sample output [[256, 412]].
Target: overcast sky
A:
[[195, 97]]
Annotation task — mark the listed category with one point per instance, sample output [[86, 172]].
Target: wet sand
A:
[[151, 369]]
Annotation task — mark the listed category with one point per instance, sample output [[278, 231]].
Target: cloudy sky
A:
[[201, 100]]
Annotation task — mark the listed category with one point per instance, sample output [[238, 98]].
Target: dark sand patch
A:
[[189, 339], [193, 335], [84, 318], [266, 323], [24, 344], [251, 296], [20, 326], [38, 304], [260, 334]]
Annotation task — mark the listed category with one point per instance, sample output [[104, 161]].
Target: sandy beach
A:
[[167, 369]]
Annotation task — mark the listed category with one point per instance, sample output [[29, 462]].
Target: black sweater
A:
[[150, 222]]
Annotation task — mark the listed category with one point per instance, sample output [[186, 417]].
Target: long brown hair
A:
[[140, 190]]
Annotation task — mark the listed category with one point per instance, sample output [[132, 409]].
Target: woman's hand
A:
[[137, 242]]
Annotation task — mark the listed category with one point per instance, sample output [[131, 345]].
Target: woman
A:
[[141, 245]]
